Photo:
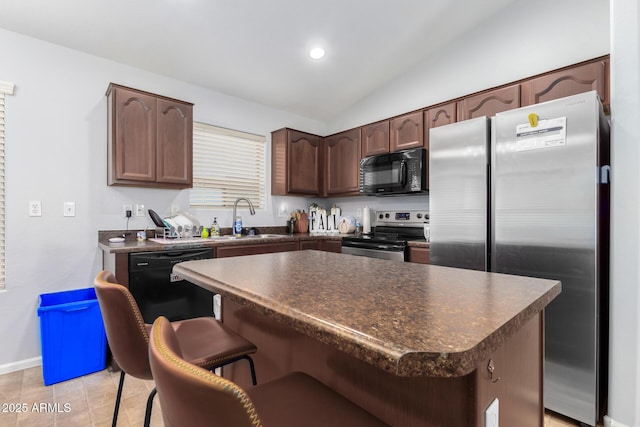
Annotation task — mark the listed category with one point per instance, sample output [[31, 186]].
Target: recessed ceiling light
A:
[[316, 53]]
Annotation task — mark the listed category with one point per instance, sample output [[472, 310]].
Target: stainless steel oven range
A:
[[390, 233]]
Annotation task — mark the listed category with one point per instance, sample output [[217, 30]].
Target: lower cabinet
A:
[[309, 244], [419, 255], [266, 248], [331, 246]]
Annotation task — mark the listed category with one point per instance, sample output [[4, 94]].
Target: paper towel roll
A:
[[366, 220]]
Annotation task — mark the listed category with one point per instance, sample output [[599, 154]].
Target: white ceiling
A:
[[258, 50]]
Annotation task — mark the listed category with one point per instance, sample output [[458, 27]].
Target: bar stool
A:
[[192, 396], [205, 341]]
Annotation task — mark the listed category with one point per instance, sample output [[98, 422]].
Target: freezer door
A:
[[458, 169], [546, 224]]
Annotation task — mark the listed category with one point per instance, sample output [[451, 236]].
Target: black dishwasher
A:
[[159, 292]]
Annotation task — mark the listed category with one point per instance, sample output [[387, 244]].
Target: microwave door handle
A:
[[403, 173]]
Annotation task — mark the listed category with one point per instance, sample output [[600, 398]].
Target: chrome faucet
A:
[[235, 208]]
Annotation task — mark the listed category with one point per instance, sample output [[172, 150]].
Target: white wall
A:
[[56, 146], [523, 40], [624, 372]]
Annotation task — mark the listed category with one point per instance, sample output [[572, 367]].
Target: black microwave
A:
[[402, 172]]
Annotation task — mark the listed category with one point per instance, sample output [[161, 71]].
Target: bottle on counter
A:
[[237, 226], [215, 228]]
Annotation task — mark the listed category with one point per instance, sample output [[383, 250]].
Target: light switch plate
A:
[[69, 208], [492, 413], [139, 209], [35, 208]]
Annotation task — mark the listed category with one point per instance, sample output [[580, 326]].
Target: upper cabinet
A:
[[375, 138], [570, 81], [438, 116], [406, 131], [342, 159], [489, 103], [305, 164], [150, 139], [296, 159]]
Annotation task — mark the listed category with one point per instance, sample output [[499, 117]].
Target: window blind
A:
[[227, 164], [6, 88]]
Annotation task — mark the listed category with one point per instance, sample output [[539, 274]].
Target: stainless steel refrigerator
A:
[[527, 193]]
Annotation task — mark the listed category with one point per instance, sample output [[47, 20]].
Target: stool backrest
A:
[[190, 395], [127, 333]]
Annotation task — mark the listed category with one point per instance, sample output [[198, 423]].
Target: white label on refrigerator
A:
[[548, 134]]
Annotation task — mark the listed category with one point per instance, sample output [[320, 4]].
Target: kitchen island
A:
[[416, 345]]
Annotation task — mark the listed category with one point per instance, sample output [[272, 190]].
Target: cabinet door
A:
[[331, 246], [279, 162], [133, 144], [407, 132], [267, 248], [309, 244], [433, 117], [343, 163], [375, 139], [489, 103], [174, 142], [419, 255], [303, 163], [438, 116], [571, 81]]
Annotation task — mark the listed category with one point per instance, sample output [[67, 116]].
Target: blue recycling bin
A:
[[72, 335]]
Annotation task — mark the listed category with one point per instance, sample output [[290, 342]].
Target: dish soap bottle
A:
[[215, 228], [237, 226]]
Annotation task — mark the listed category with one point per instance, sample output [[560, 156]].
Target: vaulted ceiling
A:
[[258, 50]]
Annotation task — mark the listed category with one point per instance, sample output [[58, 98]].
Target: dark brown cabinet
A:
[[419, 255], [342, 159], [375, 138], [406, 131], [265, 248], [296, 160], [309, 244], [489, 103], [570, 81], [331, 246], [438, 116], [302, 166], [150, 139]]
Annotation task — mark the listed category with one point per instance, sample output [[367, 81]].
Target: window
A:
[[227, 164], [5, 89]]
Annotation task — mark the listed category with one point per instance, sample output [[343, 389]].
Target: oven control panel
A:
[[408, 218]]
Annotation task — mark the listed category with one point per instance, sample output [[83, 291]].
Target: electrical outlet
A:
[[35, 208], [126, 208], [139, 209], [492, 414], [69, 208]]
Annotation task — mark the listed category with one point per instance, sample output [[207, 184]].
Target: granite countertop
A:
[[408, 319], [132, 245]]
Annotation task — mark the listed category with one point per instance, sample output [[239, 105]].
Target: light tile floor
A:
[[88, 401]]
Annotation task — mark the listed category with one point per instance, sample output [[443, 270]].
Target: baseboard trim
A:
[[610, 422], [20, 365]]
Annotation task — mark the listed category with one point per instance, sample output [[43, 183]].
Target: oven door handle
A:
[[375, 246]]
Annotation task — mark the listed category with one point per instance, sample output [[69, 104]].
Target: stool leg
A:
[[147, 414], [252, 368], [118, 396]]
